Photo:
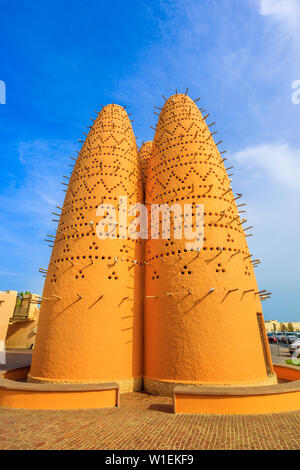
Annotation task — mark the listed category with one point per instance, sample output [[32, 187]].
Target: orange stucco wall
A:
[[192, 335], [90, 326], [287, 372], [58, 400], [15, 374], [233, 405]]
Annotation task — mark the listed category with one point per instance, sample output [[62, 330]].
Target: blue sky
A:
[[62, 59]]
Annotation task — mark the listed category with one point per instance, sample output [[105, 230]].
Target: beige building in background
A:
[[274, 325], [7, 306], [18, 323]]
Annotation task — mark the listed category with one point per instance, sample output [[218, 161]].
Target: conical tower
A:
[[144, 157], [203, 320], [90, 326]]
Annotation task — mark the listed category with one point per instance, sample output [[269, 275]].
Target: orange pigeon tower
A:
[[144, 157], [203, 315], [90, 326]]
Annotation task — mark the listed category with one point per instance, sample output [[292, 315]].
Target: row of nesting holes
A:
[[99, 173], [60, 260], [157, 173], [202, 196], [96, 149], [213, 147], [204, 248], [68, 237], [113, 276], [187, 176], [209, 225]]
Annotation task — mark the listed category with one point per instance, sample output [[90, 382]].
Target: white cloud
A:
[[269, 177], [286, 11], [280, 162], [43, 162]]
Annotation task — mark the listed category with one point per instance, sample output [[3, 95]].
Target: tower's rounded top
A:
[[145, 150], [178, 105], [179, 99], [113, 109]]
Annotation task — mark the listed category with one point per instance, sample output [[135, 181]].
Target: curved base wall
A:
[[165, 388], [126, 385], [229, 400], [34, 396], [243, 400], [34, 400]]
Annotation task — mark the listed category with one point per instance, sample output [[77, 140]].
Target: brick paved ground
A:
[[143, 422]]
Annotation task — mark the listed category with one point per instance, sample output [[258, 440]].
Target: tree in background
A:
[[282, 327], [290, 327]]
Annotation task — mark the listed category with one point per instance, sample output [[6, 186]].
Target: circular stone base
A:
[[126, 385], [163, 388]]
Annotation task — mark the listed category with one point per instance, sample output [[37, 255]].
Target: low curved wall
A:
[[16, 374], [291, 373], [243, 400], [55, 396]]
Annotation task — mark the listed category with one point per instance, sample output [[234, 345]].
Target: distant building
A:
[[274, 325], [18, 319], [8, 301]]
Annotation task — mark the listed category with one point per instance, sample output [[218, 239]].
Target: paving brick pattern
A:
[[145, 422], [142, 422]]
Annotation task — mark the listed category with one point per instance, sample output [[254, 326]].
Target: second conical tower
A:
[[203, 315]]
